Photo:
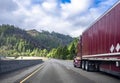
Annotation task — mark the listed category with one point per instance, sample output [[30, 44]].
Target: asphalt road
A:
[[59, 71], [56, 71]]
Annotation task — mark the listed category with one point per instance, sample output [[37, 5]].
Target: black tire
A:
[[83, 65], [74, 65], [87, 65]]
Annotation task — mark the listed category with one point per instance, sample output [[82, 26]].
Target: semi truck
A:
[[98, 48]]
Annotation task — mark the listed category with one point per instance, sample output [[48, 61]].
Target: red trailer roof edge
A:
[[102, 15]]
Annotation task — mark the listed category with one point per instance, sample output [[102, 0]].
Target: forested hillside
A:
[[64, 52], [17, 42], [50, 40]]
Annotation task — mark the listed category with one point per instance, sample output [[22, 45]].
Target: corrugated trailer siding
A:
[[103, 35], [113, 29], [108, 31], [117, 17], [94, 39], [99, 38], [85, 44]]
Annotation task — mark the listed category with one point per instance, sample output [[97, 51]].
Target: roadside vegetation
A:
[[17, 42]]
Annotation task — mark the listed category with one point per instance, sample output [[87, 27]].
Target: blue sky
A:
[[70, 17], [65, 1]]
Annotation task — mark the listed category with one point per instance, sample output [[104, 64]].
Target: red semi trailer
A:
[[99, 46]]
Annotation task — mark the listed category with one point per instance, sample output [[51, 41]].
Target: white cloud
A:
[[52, 15], [49, 5], [77, 32], [76, 6]]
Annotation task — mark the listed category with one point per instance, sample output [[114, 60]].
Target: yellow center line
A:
[[32, 74]]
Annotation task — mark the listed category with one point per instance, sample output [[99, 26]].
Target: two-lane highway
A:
[[59, 71], [56, 71], [53, 72]]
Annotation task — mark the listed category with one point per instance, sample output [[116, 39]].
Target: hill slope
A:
[[12, 37], [50, 40]]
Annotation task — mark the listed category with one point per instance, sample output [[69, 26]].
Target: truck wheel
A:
[[74, 65], [83, 65], [87, 66]]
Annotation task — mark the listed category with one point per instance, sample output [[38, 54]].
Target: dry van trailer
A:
[[99, 46]]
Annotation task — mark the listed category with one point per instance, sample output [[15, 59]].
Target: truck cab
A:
[[76, 61]]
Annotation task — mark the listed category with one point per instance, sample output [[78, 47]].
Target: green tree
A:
[[45, 52], [65, 52], [20, 47]]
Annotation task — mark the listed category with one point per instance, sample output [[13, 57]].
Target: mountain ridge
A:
[[41, 40]]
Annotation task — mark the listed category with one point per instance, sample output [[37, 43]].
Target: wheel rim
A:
[[82, 65], [86, 66]]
